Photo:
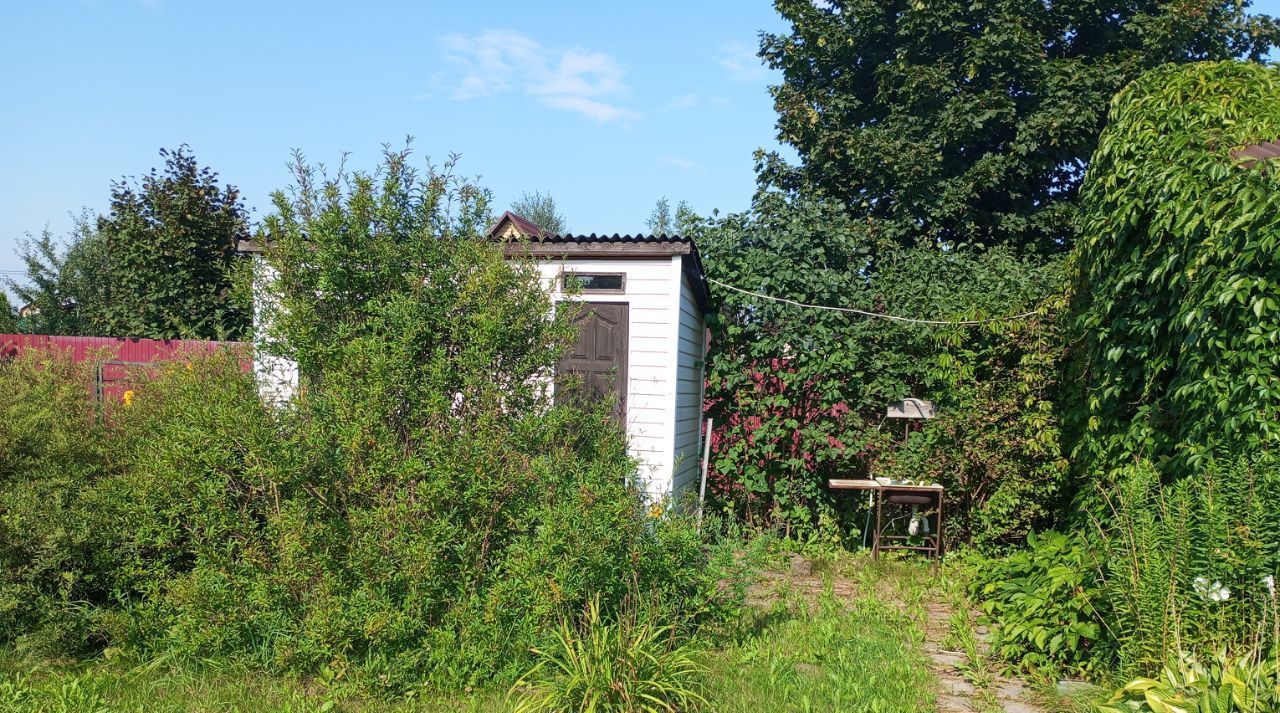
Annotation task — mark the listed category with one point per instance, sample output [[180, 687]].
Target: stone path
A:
[[956, 694]]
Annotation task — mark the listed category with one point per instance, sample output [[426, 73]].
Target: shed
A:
[[642, 335]]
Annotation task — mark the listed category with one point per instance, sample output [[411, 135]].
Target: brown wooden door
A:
[[596, 366]]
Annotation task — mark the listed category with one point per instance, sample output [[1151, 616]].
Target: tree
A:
[[951, 121], [540, 208], [65, 285], [171, 245], [662, 222], [8, 317], [158, 265]]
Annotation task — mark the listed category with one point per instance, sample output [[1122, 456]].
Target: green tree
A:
[[158, 265], [170, 244], [662, 222], [8, 317], [65, 285], [1176, 286], [540, 208], [955, 121]]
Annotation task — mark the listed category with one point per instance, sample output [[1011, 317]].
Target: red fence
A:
[[114, 357]]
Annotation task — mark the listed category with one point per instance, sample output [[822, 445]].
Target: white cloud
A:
[[497, 62], [679, 162], [740, 60], [680, 103]]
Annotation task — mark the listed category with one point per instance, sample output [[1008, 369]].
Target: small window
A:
[[594, 281]]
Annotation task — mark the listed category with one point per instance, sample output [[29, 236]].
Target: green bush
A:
[[1183, 567], [1047, 606], [627, 664], [799, 394], [53, 449]]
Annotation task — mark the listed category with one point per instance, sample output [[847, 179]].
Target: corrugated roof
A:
[[1252, 154], [615, 238]]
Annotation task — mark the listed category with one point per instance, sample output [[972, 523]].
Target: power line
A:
[[878, 315]]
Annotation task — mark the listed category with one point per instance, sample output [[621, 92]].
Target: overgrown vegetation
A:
[[1176, 274], [799, 393], [420, 514], [1174, 552]]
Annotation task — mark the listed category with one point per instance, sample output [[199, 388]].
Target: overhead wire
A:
[[876, 315]]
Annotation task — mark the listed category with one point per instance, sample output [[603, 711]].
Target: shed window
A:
[[594, 281]]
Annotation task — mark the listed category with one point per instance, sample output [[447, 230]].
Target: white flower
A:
[[1214, 592], [1270, 582]]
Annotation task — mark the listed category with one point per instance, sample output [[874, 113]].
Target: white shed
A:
[[642, 336]]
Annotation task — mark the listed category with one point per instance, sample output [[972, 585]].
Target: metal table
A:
[[881, 488]]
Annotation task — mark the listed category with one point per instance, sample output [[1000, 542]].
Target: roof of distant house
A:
[[510, 222], [1253, 153]]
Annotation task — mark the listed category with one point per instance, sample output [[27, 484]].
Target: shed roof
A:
[[536, 243]]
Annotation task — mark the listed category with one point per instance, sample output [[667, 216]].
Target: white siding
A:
[[277, 377], [690, 343], [651, 292]]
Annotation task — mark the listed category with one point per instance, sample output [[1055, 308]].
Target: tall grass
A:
[[628, 663]]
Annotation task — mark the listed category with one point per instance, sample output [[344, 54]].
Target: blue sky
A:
[[606, 105]]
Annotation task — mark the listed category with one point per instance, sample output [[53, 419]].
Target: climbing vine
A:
[[1178, 273]]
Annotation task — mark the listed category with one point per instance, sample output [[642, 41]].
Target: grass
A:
[[163, 687], [847, 640], [840, 657]]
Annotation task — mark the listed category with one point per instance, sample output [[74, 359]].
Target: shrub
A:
[[626, 664], [799, 394], [420, 513], [1048, 607], [1183, 567], [53, 449]]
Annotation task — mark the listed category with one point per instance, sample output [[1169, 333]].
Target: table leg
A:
[[875, 542], [942, 508]]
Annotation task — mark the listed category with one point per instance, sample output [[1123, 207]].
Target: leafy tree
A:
[[1177, 273], [170, 244], [953, 121], [158, 265], [662, 222], [8, 317], [66, 286], [541, 209]]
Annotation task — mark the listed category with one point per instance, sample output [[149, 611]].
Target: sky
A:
[[607, 106]]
